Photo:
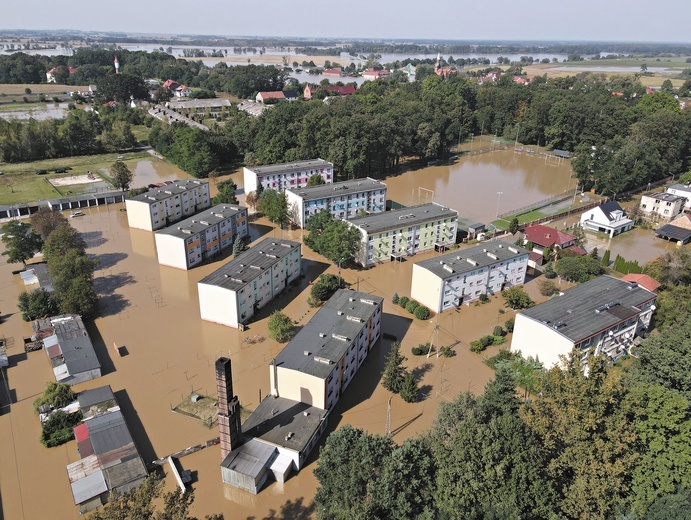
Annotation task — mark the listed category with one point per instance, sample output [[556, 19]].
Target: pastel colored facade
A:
[[232, 294], [160, 207], [683, 190], [201, 237], [606, 218], [662, 206], [319, 363], [447, 281], [342, 199], [601, 316], [288, 175], [404, 232]]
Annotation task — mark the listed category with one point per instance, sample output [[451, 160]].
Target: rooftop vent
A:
[[354, 318], [368, 302], [340, 337], [632, 286], [448, 268], [340, 313], [559, 324], [306, 352], [512, 249], [492, 255], [472, 262], [322, 335], [306, 414], [323, 360]]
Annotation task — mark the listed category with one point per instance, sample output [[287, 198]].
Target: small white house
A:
[[606, 218], [683, 190], [662, 205]]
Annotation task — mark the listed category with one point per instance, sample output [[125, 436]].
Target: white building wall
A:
[[172, 251], [218, 305], [426, 288], [537, 340], [139, 215]]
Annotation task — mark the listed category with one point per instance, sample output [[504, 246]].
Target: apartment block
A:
[[160, 207], [207, 234], [343, 200], [232, 294], [449, 280], [662, 206], [404, 232], [319, 363], [288, 175]]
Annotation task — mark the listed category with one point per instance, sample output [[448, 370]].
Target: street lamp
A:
[[499, 194]]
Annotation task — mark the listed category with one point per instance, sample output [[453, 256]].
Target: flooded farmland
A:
[[152, 311]]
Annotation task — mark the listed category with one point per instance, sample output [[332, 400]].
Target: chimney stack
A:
[[229, 429]]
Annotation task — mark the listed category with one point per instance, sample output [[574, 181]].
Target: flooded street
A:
[[152, 311], [471, 186]]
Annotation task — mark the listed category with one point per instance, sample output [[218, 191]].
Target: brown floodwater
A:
[[152, 311]]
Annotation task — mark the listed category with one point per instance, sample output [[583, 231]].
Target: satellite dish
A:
[[652, 307], [611, 333], [626, 335]]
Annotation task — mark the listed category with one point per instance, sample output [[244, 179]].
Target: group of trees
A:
[[334, 239], [79, 133], [609, 444], [396, 378]]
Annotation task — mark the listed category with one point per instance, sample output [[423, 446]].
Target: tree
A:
[[516, 298], [394, 373], [121, 176], [395, 298], [20, 241], [251, 200], [62, 239], [578, 269], [274, 205], [409, 389], [605, 258], [422, 312], [315, 180], [78, 296], [671, 268], [281, 327], [547, 287], [673, 306], [36, 305], [45, 221], [239, 246], [339, 242], [579, 235], [325, 286], [513, 226], [56, 395], [675, 506], [226, 193]]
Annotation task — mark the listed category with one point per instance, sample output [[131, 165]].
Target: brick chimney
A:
[[229, 429]]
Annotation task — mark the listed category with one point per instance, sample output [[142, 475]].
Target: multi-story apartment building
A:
[[319, 363], [447, 281], [662, 206], [289, 175], [232, 294], [404, 232], [343, 200], [196, 239], [601, 316], [163, 206]]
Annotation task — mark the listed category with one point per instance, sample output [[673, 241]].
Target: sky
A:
[[530, 20]]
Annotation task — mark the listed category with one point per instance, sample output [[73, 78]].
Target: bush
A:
[[498, 331], [411, 306], [447, 352], [516, 298], [325, 286], [410, 392], [281, 327], [482, 343], [484, 298], [423, 349], [422, 312], [509, 324], [403, 301], [57, 429], [547, 287]]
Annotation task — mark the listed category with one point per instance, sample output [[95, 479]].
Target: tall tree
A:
[[315, 180], [226, 193], [394, 372], [62, 239], [274, 205], [36, 305], [121, 175], [45, 221], [20, 241]]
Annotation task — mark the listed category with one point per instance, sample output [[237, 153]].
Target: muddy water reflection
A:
[[471, 185], [154, 171]]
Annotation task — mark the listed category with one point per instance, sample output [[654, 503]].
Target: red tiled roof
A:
[[538, 258], [344, 90], [643, 280], [272, 95], [578, 250], [54, 351], [546, 236]]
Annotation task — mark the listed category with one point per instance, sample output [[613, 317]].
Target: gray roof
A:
[[244, 268], [591, 307], [108, 432], [174, 188], [284, 422], [290, 167], [198, 103], [75, 345], [664, 196], [609, 207], [403, 217], [328, 335], [202, 220], [89, 196], [459, 261], [674, 232], [89, 398], [338, 189], [250, 458], [680, 187]]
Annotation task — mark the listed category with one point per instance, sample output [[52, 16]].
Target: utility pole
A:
[[388, 417]]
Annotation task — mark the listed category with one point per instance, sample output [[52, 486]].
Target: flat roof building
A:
[[318, 364], [287, 175], [165, 205], [109, 460], [343, 200], [232, 294], [69, 349], [449, 280], [201, 237], [404, 232], [600, 316], [662, 206]]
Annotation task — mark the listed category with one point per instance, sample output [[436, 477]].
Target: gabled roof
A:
[[546, 236], [343, 90], [272, 95], [609, 207], [643, 280]]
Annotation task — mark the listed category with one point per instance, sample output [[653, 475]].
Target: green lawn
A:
[[677, 62]]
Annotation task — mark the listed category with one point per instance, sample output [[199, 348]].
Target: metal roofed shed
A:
[[95, 396], [70, 349], [247, 466]]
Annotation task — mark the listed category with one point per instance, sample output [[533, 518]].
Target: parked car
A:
[[60, 170], [76, 214], [41, 172]]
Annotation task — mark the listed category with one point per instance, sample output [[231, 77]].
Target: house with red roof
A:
[[543, 237], [341, 90], [371, 74], [270, 97], [643, 280], [182, 91], [171, 84], [335, 72]]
